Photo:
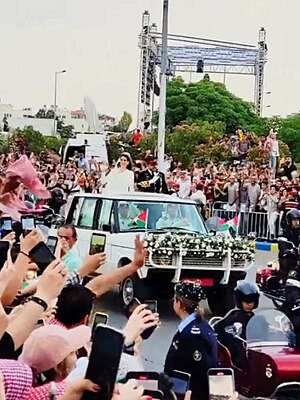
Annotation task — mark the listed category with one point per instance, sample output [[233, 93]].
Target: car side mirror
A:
[[107, 228]]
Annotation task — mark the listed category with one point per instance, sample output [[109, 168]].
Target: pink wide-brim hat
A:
[[24, 169]]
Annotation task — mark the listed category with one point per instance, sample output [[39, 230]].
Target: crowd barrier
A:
[[248, 222]]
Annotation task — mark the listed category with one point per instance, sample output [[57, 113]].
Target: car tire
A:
[[132, 287], [221, 300]]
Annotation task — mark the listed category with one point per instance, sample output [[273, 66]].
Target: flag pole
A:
[[146, 221]]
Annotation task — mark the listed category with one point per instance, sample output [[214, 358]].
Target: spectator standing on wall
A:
[[272, 209], [272, 146], [232, 188], [253, 193]]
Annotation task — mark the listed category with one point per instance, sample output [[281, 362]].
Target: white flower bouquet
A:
[[206, 246]]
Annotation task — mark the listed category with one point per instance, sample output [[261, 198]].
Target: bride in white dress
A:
[[121, 178]]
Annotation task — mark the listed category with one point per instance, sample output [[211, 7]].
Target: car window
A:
[[74, 210], [105, 214], [139, 215], [86, 214]]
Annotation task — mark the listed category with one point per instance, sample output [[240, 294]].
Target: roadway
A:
[[155, 348]]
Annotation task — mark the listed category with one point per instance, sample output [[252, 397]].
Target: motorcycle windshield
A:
[[270, 327]]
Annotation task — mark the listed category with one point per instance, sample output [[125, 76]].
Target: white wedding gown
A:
[[118, 181]]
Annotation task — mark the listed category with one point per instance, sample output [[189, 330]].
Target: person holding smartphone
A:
[[194, 348], [69, 251]]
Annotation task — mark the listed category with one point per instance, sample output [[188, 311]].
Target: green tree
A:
[[4, 143], [34, 140], [123, 125], [208, 101], [290, 134], [53, 142], [65, 131], [184, 141], [125, 122]]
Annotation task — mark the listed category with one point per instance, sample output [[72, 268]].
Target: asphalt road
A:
[[154, 350]]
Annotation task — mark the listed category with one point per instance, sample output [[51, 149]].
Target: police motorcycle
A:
[[271, 362], [272, 280]]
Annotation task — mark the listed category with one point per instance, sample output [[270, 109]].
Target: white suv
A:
[[121, 217]]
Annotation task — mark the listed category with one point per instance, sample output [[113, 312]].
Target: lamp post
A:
[[163, 87], [55, 99]]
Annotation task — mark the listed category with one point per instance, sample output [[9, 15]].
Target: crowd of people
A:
[[45, 338], [41, 354], [222, 189]]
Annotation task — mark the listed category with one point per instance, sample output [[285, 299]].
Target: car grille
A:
[[197, 261], [161, 259]]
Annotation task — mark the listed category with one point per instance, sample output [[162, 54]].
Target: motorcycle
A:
[[271, 280], [271, 358]]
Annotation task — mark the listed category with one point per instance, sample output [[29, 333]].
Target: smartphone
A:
[[104, 362], [28, 224], [4, 248], [149, 380], [151, 304], [5, 226], [131, 306], [52, 243], [97, 244], [221, 383], [154, 394], [99, 318], [42, 256], [181, 383]]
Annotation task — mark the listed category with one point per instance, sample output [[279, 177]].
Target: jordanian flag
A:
[[141, 220], [232, 223]]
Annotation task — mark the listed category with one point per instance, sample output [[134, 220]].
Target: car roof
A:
[[139, 196]]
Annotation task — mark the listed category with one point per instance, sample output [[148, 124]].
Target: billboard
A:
[[212, 56]]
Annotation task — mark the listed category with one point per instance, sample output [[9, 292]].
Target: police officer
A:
[[246, 296], [288, 259], [194, 346], [292, 231]]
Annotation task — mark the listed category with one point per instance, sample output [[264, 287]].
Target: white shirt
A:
[[274, 147], [118, 181], [200, 196], [184, 188]]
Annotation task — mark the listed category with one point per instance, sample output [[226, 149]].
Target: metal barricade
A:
[[249, 221]]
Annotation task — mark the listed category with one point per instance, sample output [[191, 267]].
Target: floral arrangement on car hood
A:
[[206, 246]]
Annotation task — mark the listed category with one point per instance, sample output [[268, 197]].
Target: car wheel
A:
[[221, 300], [132, 287]]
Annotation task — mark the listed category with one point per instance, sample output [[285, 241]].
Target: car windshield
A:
[[270, 326], [145, 216]]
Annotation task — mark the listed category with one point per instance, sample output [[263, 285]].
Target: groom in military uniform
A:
[[151, 180]]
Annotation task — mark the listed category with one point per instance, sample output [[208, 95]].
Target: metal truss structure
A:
[[219, 57]]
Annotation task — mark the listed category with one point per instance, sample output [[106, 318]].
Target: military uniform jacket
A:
[[159, 186], [194, 350]]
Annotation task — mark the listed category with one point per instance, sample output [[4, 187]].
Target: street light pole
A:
[[55, 99], [163, 87]]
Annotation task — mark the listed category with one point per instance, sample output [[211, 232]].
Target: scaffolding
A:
[[184, 52]]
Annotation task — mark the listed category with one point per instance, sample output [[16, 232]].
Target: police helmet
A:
[[246, 292], [57, 192], [189, 290], [291, 216]]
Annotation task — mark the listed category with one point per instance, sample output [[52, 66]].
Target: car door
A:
[[105, 225], [83, 214]]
